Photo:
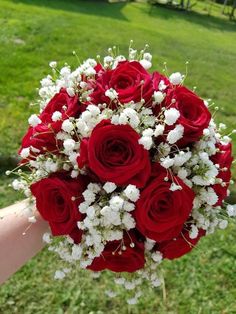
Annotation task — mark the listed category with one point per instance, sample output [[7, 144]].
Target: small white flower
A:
[[94, 187], [231, 210], [171, 116], [17, 185], [158, 97], [132, 193], [182, 173], [83, 207], [128, 221], [111, 93], [193, 233], [110, 294], [47, 237], [74, 173], [175, 187], [123, 119], [159, 130], [157, 257], [109, 187], [147, 56], [176, 134], [116, 202], [65, 71], [132, 301], [86, 116], [223, 224], [146, 141], [70, 91], [128, 207], [53, 64], [132, 53], [25, 152], [67, 126], [167, 162], [108, 59], [176, 78], [115, 119], [34, 120], [93, 109], [129, 285], [148, 132], [146, 64], [89, 196], [56, 116], [59, 274], [69, 145], [162, 85], [119, 281], [90, 211]]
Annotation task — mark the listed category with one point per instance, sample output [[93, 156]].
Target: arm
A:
[[16, 248]]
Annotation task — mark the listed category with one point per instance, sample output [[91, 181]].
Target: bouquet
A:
[[127, 167]]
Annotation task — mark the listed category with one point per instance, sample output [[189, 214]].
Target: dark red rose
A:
[[161, 213], [113, 153], [130, 80], [224, 159], [55, 205], [115, 259], [58, 103], [40, 139], [180, 246], [194, 115]]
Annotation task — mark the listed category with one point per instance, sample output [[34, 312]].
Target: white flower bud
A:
[[34, 120], [67, 126], [56, 116], [25, 152], [171, 116], [176, 78], [111, 93], [53, 64], [158, 97], [69, 144]]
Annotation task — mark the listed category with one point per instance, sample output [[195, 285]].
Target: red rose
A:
[[194, 115], [224, 159], [43, 136], [130, 80], [58, 103], [115, 259], [54, 202], [160, 213], [180, 246], [113, 153], [40, 139]]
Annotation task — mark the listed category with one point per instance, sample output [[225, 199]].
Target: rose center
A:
[[123, 82], [117, 152]]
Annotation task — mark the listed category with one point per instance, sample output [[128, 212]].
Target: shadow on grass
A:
[[211, 22], [90, 7], [114, 10]]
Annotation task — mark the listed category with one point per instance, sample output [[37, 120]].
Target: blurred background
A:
[[33, 33]]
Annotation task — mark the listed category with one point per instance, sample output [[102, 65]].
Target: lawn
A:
[[32, 33]]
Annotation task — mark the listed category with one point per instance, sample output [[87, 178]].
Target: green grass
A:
[[32, 33]]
